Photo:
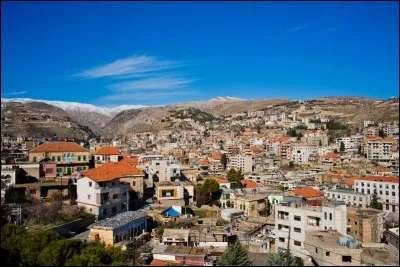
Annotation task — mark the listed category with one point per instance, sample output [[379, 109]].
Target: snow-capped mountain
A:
[[226, 98], [75, 106]]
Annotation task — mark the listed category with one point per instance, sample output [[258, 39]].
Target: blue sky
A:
[[109, 53]]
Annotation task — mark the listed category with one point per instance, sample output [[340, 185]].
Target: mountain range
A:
[[42, 117]]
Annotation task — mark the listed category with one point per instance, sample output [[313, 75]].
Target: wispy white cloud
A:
[[298, 27], [331, 29], [123, 68], [154, 83], [15, 93], [145, 95]]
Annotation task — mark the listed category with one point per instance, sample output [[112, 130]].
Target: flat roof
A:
[[178, 250], [379, 256], [119, 220], [394, 231], [326, 239]]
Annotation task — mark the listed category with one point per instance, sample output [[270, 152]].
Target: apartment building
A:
[[291, 216], [252, 204], [392, 236], [163, 169], [101, 192], [241, 161], [386, 188], [351, 198], [68, 156], [301, 154], [168, 192], [379, 150], [366, 224], [368, 123], [349, 143]]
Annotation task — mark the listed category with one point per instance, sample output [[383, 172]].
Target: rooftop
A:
[[394, 231], [379, 256], [326, 240], [57, 146], [176, 233], [119, 220], [387, 179], [307, 192], [107, 150], [111, 170]]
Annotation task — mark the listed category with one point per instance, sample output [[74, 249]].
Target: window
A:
[[387, 193], [297, 230], [348, 220], [281, 239], [157, 164], [34, 159], [367, 184], [90, 184], [368, 192], [123, 206], [327, 253], [91, 210], [346, 258], [133, 183], [297, 218], [59, 158], [325, 215], [355, 223], [380, 192], [387, 206], [330, 216], [253, 207], [84, 158], [316, 250], [115, 196], [49, 170], [32, 191], [393, 193], [88, 196], [53, 158], [79, 158], [297, 243], [112, 183], [393, 187]]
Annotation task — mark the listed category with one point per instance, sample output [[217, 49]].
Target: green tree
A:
[[280, 259], [207, 192], [58, 252], [374, 201], [235, 176], [258, 129], [224, 160], [291, 164], [234, 255], [360, 150], [381, 133], [33, 244], [342, 147]]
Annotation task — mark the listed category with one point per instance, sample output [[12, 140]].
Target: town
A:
[[264, 187]]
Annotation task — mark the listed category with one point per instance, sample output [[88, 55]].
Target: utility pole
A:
[[288, 249]]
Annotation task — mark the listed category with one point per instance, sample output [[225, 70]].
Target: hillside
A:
[[39, 119]]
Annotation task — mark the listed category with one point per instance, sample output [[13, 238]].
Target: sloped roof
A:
[[131, 161], [249, 184], [221, 181], [58, 146], [331, 155], [110, 171], [382, 169], [307, 192], [107, 150]]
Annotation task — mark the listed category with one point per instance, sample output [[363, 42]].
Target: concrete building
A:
[[365, 225], [164, 169], [106, 154], [299, 218], [386, 188], [119, 228], [252, 204], [368, 123], [101, 192], [171, 191], [301, 154], [177, 237], [379, 150], [351, 198], [240, 161]]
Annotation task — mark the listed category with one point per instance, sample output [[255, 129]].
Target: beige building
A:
[[365, 225], [120, 227], [69, 156], [251, 203]]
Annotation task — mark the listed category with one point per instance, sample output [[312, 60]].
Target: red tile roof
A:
[[307, 192], [111, 171], [156, 262], [249, 184], [387, 179], [107, 150], [283, 139], [203, 162], [221, 181], [335, 175], [255, 149], [131, 161], [350, 181], [381, 169], [56, 146], [331, 155]]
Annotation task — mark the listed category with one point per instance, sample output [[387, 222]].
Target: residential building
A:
[[69, 156], [379, 150], [305, 217], [163, 169], [252, 204], [301, 154], [177, 237], [101, 192], [170, 192], [121, 227], [386, 188], [164, 255], [106, 154], [366, 224], [307, 193], [368, 123], [351, 198], [241, 162]]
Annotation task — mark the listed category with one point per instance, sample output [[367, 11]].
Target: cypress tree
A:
[[235, 255]]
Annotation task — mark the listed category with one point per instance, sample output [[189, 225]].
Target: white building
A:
[[240, 161], [348, 141], [386, 187], [101, 192], [106, 154], [301, 154], [165, 169], [301, 218], [351, 198], [368, 123]]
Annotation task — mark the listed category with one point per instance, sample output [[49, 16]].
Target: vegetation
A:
[[234, 255], [291, 164], [235, 176], [224, 160], [381, 133], [281, 259], [374, 202], [208, 192], [200, 213], [194, 114], [46, 248], [342, 147], [360, 150]]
